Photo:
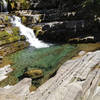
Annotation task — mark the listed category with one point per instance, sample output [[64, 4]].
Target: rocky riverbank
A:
[[77, 79], [10, 38], [60, 72]]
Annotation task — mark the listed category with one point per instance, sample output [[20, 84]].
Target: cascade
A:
[[28, 33], [5, 5]]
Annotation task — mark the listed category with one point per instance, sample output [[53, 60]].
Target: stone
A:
[[81, 53], [13, 47], [1, 58], [16, 92], [97, 93], [72, 81], [4, 71], [34, 73]]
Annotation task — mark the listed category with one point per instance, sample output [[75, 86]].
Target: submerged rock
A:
[[34, 73]]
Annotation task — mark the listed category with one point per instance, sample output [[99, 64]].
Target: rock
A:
[[81, 53], [62, 21], [34, 73], [60, 31], [72, 81], [97, 94], [1, 58], [4, 71], [17, 92], [13, 47]]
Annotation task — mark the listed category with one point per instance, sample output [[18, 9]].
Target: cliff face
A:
[[60, 21]]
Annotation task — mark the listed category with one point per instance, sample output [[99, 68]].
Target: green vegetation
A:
[[9, 37]]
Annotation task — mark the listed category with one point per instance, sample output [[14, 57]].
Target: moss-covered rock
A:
[[13, 47], [38, 30], [34, 73]]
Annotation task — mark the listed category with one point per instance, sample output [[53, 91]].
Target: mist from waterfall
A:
[[5, 5], [28, 33]]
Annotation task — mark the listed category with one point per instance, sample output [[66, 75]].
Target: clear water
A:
[[28, 33]]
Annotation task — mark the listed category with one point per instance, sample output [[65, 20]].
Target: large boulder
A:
[[16, 92]]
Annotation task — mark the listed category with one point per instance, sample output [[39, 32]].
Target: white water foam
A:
[[28, 33], [5, 5]]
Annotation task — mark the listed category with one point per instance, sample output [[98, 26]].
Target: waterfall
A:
[[5, 5], [28, 33]]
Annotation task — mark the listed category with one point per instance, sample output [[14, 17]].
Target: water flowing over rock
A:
[[29, 33], [5, 5]]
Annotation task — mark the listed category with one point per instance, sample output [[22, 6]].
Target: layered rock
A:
[[62, 21], [17, 92], [76, 79], [4, 71], [10, 39]]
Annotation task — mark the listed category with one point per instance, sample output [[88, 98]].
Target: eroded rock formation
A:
[[77, 79]]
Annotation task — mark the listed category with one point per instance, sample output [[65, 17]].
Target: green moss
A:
[[15, 30], [6, 37], [11, 80], [12, 5], [10, 40], [38, 30], [6, 18], [3, 34], [24, 19]]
